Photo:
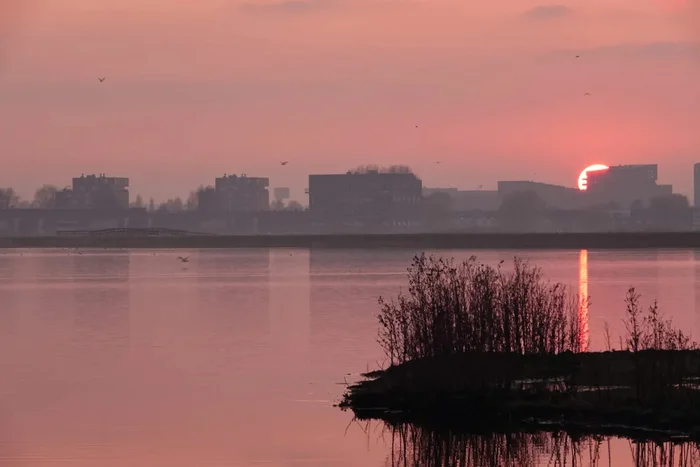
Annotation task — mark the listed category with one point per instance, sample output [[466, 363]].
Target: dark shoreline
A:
[[500, 241], [650, 393]]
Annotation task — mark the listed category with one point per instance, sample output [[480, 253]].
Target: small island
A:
[[475, 348]]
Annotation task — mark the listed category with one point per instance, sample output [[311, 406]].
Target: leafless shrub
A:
[[454, 308], [651, 330]]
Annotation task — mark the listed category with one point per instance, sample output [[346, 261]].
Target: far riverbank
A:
[[500, 241]]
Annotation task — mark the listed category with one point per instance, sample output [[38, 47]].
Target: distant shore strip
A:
[[467, 241]]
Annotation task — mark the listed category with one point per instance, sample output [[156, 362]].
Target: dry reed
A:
[[472, 307]]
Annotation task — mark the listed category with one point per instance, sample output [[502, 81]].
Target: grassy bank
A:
[[475, 347], [621, 240]]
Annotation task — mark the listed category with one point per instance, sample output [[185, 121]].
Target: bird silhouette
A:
[[102, 79], [437, 162], [577, 56], [587, 94], [184, 259], [284, 162]]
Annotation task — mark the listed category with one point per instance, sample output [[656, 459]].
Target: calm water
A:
[[132, 358]]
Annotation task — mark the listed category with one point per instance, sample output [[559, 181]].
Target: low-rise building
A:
[[554, 196], [366, 198], [468, 200], [233, 193]]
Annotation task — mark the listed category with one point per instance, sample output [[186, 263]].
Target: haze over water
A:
[[132, 358]]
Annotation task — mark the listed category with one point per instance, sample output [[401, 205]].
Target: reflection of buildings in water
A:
[[101, 292], [11, 272], [10, 265], [289, 306], [234, 291], [356, 260], [583, 297], [417, 447]]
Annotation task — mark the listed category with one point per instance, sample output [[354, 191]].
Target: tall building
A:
[[624, 185], [95, 192], [696, 185], [233, 193], [367, 198]]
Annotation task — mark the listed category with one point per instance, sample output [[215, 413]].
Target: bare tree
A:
[[294, 206], [192, 202], [634, 321], [8, 198], [172, 205], [392, 169], [398, 169], [363, 169], [151, 205], [138, 202], [45, 197]]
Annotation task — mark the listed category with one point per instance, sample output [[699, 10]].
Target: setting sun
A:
[[583, 177]]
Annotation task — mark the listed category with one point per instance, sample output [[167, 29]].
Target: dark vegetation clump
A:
[[454, 309], [471, 344]]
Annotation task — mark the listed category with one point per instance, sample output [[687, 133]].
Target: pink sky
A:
[[193, 92]]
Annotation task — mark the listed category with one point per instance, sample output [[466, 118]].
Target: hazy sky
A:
[[193, 91]]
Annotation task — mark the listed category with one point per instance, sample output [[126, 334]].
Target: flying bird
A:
[[184, 259], [437, 162], [284, 162], [587, 94], [577, 56], [101, 79]]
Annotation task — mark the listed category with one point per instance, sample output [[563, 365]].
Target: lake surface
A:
[[132, 358]]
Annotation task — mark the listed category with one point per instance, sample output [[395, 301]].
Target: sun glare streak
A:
[[583, 297], [583, 177]]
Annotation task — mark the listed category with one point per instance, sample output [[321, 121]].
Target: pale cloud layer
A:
[[196, 91]]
